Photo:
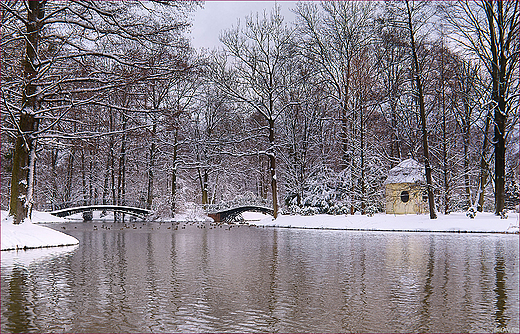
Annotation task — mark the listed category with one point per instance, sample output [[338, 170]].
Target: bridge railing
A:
[[89, 202], [236, 203]]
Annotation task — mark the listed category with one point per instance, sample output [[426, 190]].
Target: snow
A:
[[29, 235], [99, 208], [96, 215], [454, 222], [407, 171], [187, 217], [254, 216]]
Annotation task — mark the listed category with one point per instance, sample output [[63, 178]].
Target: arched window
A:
[[405, 196]]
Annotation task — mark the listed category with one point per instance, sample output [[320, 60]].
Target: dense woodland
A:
[[106, 102]]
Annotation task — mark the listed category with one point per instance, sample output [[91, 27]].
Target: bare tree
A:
[[335, 36], [60, 41], [490, 30], [259, 51], [412, 17], [391, 53]]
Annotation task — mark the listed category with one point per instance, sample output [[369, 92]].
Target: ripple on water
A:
[[265, 280]]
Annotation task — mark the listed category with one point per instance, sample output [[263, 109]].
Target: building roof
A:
[[407, 171]]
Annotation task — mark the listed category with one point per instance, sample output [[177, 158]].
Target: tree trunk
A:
[[498, 77], [112, 160], [54, 171], [22, 169], [395, 149], [205, 186], [174, 174], [362, 160], [151, 163], [422, 112], [121, 182], [22, 176], [91, 179], [105, 184], [500, 157], [466, 133], [445, 170], [272, 168], [345, 152], [84, 178], [445, 164], [483, 165]]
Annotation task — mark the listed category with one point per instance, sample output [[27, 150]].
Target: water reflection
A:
[[265, 280], [500, 289], [18, 306]]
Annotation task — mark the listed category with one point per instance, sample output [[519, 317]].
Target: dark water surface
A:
[[248, 279]]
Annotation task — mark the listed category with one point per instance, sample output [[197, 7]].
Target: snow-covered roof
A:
[[407, 171]]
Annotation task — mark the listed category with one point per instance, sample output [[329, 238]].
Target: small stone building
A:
[[405, 189]]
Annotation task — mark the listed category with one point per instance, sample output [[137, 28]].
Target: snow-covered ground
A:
[[30, 235], [454, 222], [254, 216]]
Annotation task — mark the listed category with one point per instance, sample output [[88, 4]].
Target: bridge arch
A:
[[229, 215], [133, 211]]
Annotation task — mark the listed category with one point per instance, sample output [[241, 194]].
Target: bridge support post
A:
[[87, 216]]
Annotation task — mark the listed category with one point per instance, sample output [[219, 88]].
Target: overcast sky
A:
[[209, 21]]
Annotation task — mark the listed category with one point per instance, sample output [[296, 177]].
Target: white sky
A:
[[216, 16]]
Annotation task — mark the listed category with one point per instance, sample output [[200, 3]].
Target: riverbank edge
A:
[[388, 230], [28, 235], [37, 247], [453, 223]]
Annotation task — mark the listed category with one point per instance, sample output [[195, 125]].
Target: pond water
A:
[[155, 278]]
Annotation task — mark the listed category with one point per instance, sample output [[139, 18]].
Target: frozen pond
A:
[[155, 278]]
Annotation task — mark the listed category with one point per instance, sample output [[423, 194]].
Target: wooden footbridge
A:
[[230, 211], [70, 208], [222, 212], [230, 215]]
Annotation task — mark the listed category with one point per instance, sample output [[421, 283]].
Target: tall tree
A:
[[61, 41], [390, 50], [412, 17], [490, 30], [22, 177], [260, 51], [335, 36]]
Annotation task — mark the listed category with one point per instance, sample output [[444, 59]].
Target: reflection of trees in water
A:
[[272, 320], [18, 314], [425, 317], [500, 289]]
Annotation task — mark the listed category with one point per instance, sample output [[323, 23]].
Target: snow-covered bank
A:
[[454, 222], [29, 235], [28, 257]]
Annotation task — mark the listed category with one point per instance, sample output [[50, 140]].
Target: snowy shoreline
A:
[[28, 235], [452, 223]]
